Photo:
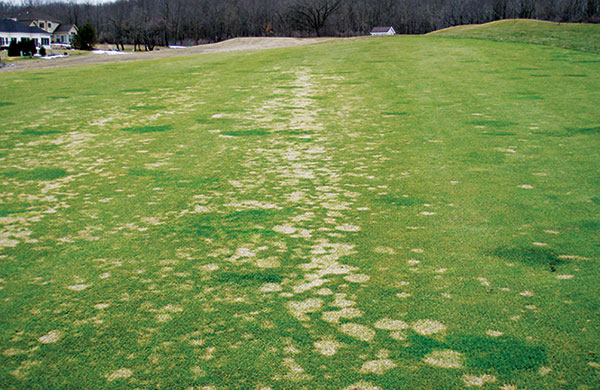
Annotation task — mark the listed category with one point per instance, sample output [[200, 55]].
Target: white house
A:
[[383, 31], [34, 18], [64, 34], [14, 31]]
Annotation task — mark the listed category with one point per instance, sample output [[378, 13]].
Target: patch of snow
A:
[[109, 52], [54, 56]]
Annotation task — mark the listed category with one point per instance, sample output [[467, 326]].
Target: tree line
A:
[[148, 23]]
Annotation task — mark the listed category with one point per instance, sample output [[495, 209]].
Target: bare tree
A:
[[313, 14]]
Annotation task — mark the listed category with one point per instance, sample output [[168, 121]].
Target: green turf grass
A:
[[405, 212], [573, 36]]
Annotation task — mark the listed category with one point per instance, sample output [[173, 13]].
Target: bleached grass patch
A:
[[564, 277], [362, 386], [295, 371], [357, 278], [428, 327], [327, 346], [269, 262], [209, 267], [378, 367], [390, 324], [122, 373], [285, 229], [309, 285], [7, 242], [50, 337], [347, 313], [384, 250], [445, 359], [358, 331], [526, 293], [198, 372], [244, 252], [478, 381], [348, 228], [270, 287], [543, 371], [78, 287], [494, 333], [398, 335], [300, 309], [164, 317]]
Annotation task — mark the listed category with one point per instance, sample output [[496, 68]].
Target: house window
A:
[[49, 25], [42, 24], [1, 41], [45, 41]]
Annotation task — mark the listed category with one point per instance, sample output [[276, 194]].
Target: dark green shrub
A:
[[14, 49], [85, 37], [28, 47]]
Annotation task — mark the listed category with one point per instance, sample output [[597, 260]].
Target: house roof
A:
[[381, 29], [10, 26], [64, 28], [30, 14]]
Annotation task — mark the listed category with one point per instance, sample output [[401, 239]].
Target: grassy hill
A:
[[386, 213], [582, 37]]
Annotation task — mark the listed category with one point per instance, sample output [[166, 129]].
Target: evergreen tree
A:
[[85, 38]]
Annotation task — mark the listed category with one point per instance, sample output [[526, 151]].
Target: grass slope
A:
[[582, 37], [406, 212]]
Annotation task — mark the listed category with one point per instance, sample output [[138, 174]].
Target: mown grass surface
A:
[[332, 216], [582, 37]]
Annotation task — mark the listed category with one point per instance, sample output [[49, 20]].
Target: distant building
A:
[[15, 31], [34, 18], [383, 31], [64, 34], [61, 33]]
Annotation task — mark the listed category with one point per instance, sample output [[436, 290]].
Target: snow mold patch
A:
[[362, 386], [478, 381], [445, 359], [50, 337], [358, 331], [428, 327], [357, 278], [378, 367], [300, 309], [327, 346], [122, 373], [389, 324]]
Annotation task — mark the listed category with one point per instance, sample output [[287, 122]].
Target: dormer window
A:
[[42, 24], [49, 25]]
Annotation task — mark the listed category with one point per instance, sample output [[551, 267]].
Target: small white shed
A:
[[383, 31]]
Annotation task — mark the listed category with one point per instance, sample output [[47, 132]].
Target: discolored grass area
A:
[[394, 213]]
